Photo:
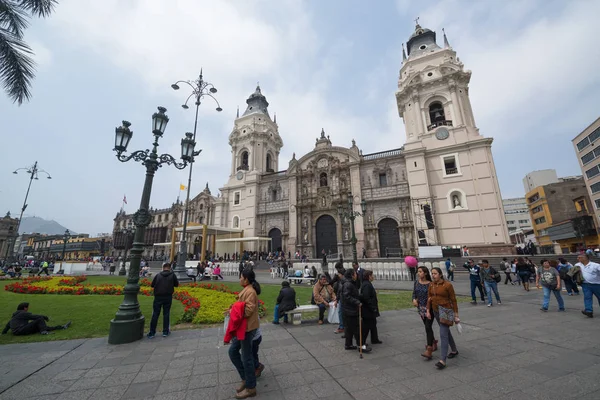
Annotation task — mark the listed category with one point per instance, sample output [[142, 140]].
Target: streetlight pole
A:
[[351, 214], [66, 238], [33, 172], [200, 89], [128, 324], [128, 232]]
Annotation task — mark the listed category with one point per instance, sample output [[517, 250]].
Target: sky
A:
[[321, 64]]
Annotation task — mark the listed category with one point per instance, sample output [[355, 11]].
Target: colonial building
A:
[[8, 234]]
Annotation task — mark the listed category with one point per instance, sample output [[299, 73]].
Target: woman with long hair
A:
[[524, 272], [244, 362], [420, 297], [442, 301]]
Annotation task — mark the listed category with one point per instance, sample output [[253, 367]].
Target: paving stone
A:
[[141, 390], [370, 394], [114, 392], [77, 395], [149, 376], [171, 396], [173, 385], [98, 372], [204, 381], [117, 379], [87, 383]]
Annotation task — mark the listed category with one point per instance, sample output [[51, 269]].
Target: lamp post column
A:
[[354, 254], [62, 259]]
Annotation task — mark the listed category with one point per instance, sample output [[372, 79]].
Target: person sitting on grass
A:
[[323, 294], [25, 323]]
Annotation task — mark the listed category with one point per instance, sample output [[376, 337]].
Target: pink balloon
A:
[[411, 261]]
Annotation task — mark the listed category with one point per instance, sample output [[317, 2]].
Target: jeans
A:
[[244, 362], [428, 330], [489, 287], [476, 284], [589, 291], [255, 344], [340, 315], [571, 286], [276, 315], [445, 339], [322, 309], [164, 303], [450, 274], [547, 290]]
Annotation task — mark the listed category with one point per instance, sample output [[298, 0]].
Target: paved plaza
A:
[[512, 351]]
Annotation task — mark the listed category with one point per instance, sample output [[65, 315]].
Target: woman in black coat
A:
[[370, 309], [350, 305], [286, 301]]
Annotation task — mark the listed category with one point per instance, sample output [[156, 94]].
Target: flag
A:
[[124, 199], [181, 187]]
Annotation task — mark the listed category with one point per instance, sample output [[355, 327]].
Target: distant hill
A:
[[40, 225]]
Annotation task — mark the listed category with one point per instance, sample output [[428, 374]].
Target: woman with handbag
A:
[[420, 297], [442, 301]]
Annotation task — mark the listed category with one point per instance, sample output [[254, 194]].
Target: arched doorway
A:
[[326, 228], [389, 238], [275, 243]]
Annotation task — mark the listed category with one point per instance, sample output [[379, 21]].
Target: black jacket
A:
[[368, 296], [164, 284], [350, 299], [19, 319], [337, 284], [286, 300]]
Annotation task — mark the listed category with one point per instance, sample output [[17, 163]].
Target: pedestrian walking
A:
[[241, 350], [507, 268], [563, 270], [524, 272], [450, 269], [590, 272], [370, 309], [164, 285], [351, 304], [513, 270], [420, 296], [442, 301], [44, 269], [490, 278], [338, 283], [549, 278], [475, 279]]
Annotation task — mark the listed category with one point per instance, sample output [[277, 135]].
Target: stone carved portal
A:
[[389, 237], [326, 229], [275, 243]]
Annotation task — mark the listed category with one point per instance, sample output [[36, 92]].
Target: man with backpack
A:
[[490, 277], [450, 267], [563, 268]]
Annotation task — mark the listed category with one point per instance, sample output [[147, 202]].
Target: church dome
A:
[[421, 41], [257, 103]]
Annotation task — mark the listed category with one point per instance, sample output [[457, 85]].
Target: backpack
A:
[[452, 267], [497, 276], [562, 272]]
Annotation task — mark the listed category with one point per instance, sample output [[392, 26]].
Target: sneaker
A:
[[338, 331], [473, 302], [570, 294], [45, 333], [165, 334], [544, 309], [150, 335], [366, 349], [68, 324], [561, 309], [275, 322], [499, 303], [489, 304], [588, 314]]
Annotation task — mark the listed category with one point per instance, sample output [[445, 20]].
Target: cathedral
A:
[[439, 189]]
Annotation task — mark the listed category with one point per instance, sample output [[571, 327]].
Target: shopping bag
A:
[[225, 323], [333, 315]]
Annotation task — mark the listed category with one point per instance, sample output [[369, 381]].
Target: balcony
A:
[[445, 122], [242, 168], [451, 171]]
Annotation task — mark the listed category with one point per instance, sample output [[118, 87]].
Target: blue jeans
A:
[[164, 303], [322, 309], [589, 291], [340, 315], [547, 290], [244, 362], [474, 285], [255, 344], [276, 315], [489, 287], [450, 274]]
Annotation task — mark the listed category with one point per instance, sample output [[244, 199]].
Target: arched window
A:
[[436, 112], [201, 220], [244, 161], [236, 222], [269, 163], [323, 179], [201, 206]]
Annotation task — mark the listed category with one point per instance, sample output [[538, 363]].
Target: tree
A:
[[17, 68]]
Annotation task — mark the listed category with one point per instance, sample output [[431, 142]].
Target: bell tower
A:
[[450, 168]]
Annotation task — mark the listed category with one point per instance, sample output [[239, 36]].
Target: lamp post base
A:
[[126, 331], [122, 271], [180, 270]]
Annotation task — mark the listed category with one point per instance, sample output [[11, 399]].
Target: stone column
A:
[[456, 108]]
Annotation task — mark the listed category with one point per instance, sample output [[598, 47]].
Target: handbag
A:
[[446, 316]]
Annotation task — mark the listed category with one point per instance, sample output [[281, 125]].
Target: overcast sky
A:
[[321, 64]]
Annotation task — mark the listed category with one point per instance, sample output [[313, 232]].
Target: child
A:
[[255, 344]]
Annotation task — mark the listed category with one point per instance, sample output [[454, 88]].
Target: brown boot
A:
[[428, 353], [246, 393], [435, 345], [241, 388]]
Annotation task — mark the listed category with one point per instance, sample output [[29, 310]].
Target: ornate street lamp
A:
[[128, 232], [351, 214], [128, 324], [200, 89], [66, 238], [33, 172]]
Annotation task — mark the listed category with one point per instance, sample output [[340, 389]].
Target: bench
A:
[[296, 313], [299, 280]]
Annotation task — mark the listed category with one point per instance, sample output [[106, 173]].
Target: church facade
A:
[[440, 188]]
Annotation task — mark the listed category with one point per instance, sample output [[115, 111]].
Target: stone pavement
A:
[[512, 351]]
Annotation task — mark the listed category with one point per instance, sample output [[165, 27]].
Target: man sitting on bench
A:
[[25, 323], [323, 294]]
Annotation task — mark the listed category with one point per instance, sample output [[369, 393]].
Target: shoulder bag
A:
[[446, 315]]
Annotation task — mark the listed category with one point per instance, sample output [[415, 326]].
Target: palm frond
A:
[[39, 8], [16, 66], [13, 18]]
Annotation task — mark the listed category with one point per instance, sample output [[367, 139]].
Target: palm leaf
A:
[[13, 18], [16, 66], [39, 8]]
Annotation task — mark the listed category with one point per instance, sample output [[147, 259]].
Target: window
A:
[[592, 172], [534, 198], [244, 161], [160, 218], [523, 221], [236, 198], [269, 167], [323, 179], [436, 112], [201, 220], [543, 232], [236, 222], [580, 205], [382, 180], [537, 209], [201, 206], [451, 165], [510, 222], [512, 228], [274, 195], [592, 137], [540, 220], [590, 156], [595, 188], [597, 202]]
